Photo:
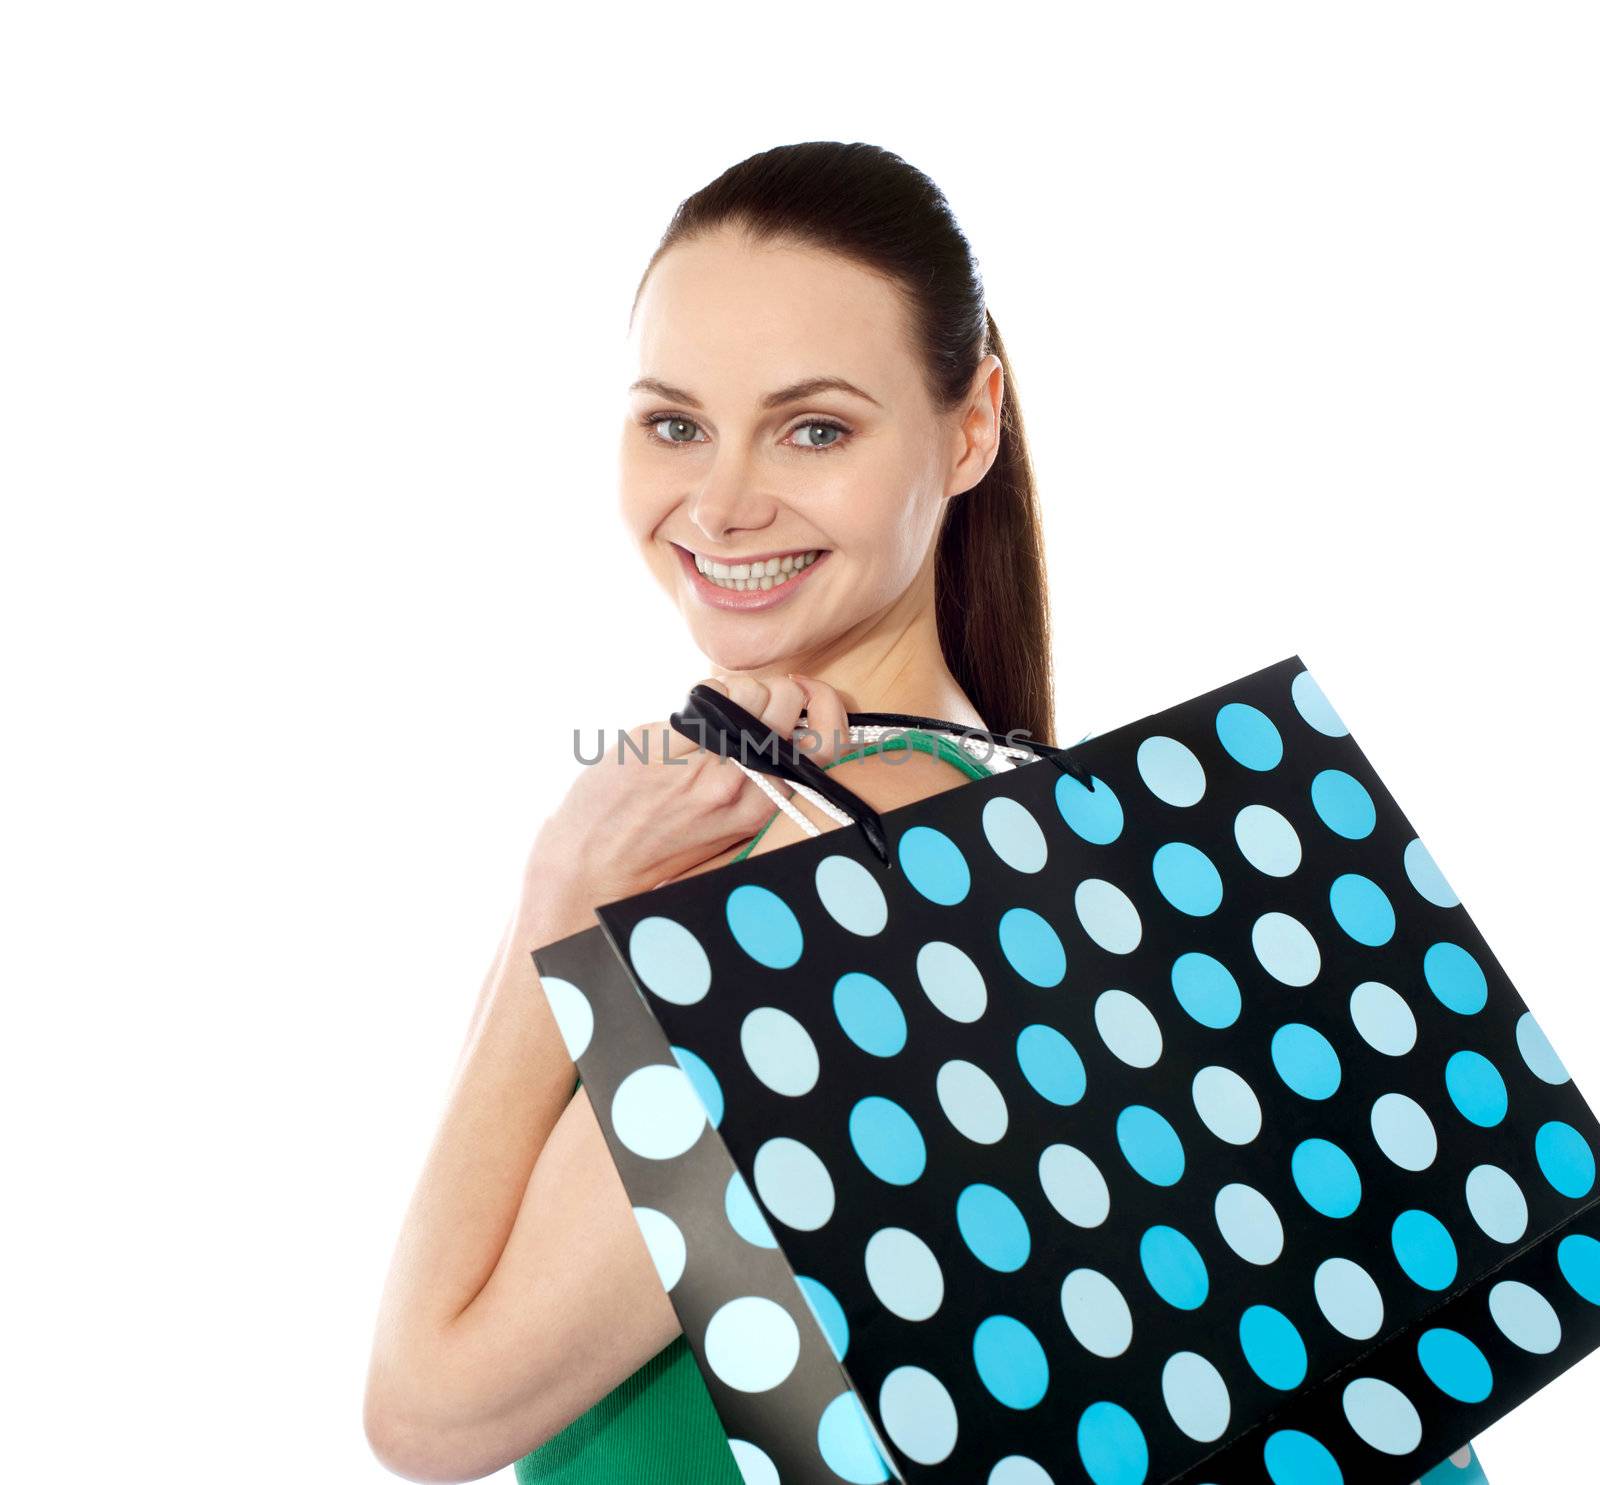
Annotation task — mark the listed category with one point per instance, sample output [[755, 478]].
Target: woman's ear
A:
[[978, 436]]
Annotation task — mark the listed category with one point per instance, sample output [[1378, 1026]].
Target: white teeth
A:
[[742, 577]]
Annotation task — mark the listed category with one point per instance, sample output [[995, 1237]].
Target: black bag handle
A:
[[722, 725]]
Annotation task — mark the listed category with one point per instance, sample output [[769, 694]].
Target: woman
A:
[[823, 464], [816, 374]]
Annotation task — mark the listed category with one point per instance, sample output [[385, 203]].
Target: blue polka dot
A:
[[1538, 1053], [844, 1439], [1326, 1176], [851, 895], [1295, 1458], [1174, 1267], [1267, 840], [704, 1080], [1108, 915], [670, 960], [1579, 1258], [993, 1226], [1150, 1145], [1286, 949], [869, 1014], [1315, 707], [829, 1312], [1187, 878], [1305, 1060], [1424, 1249], [1249, 736], [1343, 804], [1565, 1158], [764, 926], [1014, 835], [1095, 815], [744, 1216], [1424, 874], [1455, 1365], [1455, 978], [1273, 1347], [1011, 1362], [1171, 771], [934, 865], [1362, 909], [1206, 990], [1051, 1065], [1112, 1445], [1476, 1088], [1032, 947], [888, 1141]]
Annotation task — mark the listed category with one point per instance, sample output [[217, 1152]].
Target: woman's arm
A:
[[521, 1290]]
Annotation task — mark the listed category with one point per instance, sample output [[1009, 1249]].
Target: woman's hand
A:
[[631, 823]]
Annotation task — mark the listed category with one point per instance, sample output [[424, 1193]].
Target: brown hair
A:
[[867, 204]]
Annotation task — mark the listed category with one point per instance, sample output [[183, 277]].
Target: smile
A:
[[758, 581]]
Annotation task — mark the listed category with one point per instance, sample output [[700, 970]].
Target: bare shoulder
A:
[[886, 780]]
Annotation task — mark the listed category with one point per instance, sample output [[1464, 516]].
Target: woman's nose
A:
[[728, 499]]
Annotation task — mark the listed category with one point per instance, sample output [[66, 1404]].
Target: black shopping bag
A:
[[1149, 1115]]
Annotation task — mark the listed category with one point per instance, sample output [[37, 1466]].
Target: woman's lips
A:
[[752, 598]]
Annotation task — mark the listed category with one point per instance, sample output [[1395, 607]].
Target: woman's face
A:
[[735, 452]]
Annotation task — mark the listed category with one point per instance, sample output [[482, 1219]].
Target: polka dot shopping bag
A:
[[1158, 1117]]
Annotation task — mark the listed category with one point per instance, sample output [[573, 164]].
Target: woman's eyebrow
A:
[[797, 392]]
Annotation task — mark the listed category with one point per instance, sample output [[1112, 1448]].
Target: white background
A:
[[309, 399]]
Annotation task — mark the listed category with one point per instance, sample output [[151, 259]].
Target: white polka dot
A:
[[1525, 1317], [1286, 949], [1382, 1415], [1171, 771], [851, 895], [780, 1051], [1074, 1186], [1014, 835], [951, 980], [1349, 1298], [1267, 840], [917, 1414], [669, 960], [972, 1102], [656, 1112], [1227, 1105], [1196, 1396], [1404, 1131], [1497, 1203], [1249, 1223], [667, 1249], [1108, 915], [904, 1273], [755, 1468], [1383, 1018], [1127, 1028], [793, 1184], [574, 1015], [752, 1344], [1096, 1312], [1018, 1469]]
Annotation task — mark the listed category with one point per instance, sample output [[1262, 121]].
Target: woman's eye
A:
[[674, 427], [832, 431]]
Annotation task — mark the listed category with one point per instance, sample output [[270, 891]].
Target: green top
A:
[[660, 1426]]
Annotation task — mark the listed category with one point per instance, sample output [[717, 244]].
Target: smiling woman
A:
[[822, 464]]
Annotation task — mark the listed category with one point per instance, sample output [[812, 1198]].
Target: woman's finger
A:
[[826, 733]]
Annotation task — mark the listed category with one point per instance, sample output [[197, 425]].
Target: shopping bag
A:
[[1149, 1114]]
